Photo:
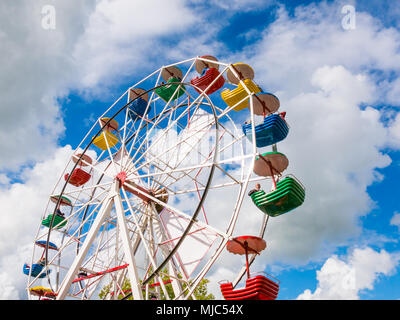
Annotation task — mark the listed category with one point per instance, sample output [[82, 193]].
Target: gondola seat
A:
[[257, 288], [137, 109], [232, 97], [78, 177], [273, 130], [205, 80], [167, 92], [289, 194], [37, 268], [58, 222], [106, 137]]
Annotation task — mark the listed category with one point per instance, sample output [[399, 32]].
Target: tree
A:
[[200, 292]]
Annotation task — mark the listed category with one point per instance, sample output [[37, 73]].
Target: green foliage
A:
[[200, 292]]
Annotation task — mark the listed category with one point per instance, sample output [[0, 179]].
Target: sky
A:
[[338, 80]]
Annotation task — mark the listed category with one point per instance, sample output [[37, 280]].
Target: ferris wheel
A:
[[153, 194]]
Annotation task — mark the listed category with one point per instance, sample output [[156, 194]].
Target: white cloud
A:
[[293, 48], [37, 68], [22, 208], [9, 291], [339, 279], [394, 132], [320, 72], [120, 37], [395, 221], [242, 6], [95, 44], [394, 92]]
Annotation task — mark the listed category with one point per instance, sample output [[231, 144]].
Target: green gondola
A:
[[58, 222], [168, 91], [289, 194]]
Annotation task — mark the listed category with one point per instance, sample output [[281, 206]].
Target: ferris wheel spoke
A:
[[182, 214], [181, 141], [185, 172], [134, 134], [167, 174], [151, 130], [139, 149], [172, 266], [176, 170], [158, 157], [170, 125], [102, 186], [188, 173], [81, 204], [218, 165], [123, 140], [110, 153]]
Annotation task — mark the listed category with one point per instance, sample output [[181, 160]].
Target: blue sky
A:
[[341, 89]]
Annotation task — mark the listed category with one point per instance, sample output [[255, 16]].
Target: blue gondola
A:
[[137, 109], [43, 244], [36, 270], [273, 130]]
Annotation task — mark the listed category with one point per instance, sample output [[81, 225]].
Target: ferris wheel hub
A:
[[121, 177]]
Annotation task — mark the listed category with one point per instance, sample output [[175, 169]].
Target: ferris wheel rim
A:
[[103, 174]]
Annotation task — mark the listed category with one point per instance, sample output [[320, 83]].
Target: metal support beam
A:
[[126, 244], [77, 263]]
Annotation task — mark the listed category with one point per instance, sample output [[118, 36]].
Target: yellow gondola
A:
[[106, 137], [232, 97], [42, 292]]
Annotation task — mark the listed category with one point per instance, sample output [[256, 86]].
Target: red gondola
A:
[[258, 287], [209, 72], [79, 176]]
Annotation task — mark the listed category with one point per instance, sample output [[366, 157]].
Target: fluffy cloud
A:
[[95, 44], [119, 38], [339, 279], [321, 73], [242, 6], [37, 69], [395, 221], [23, 205], [293, 48], [394, 132]]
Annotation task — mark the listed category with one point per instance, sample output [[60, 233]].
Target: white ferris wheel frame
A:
[[114, 196]]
